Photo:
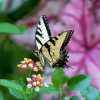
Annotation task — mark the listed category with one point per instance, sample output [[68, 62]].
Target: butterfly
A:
[[51, 49]]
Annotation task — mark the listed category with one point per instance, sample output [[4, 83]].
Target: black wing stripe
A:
[[46, 24], [53, 42], [39, 34], [70, 32], [39, 41], [55, 38]]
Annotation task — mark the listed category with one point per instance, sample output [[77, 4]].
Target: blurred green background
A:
[[10, 52]]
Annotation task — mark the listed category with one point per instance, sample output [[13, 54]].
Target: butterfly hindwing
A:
[[54, 49], [43, 33]]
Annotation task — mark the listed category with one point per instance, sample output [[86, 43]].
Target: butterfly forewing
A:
[[43, 33]]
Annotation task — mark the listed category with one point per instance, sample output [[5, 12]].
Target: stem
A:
[[61, 94], [30, 73]]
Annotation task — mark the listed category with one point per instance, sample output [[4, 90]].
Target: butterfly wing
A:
[[43, 33], [54, 50]]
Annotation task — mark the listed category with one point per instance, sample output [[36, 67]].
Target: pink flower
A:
[[30, 64], [36, 81], [84, 48]]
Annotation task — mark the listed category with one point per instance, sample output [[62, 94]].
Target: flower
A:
[[36, 81], [29, 85], [84, 48], [37, 89], [28, 63]]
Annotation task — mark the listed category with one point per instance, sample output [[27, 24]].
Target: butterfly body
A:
[[51, 49]]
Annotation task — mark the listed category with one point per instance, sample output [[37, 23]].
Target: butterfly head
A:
[[36, 53], [40, 56]]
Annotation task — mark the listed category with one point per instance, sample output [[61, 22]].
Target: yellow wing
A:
[[53, 50]]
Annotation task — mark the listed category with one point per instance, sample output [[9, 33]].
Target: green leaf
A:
[[74, 98], [9, 28], [78, 83], [59, 78], [17, 94], [1, 96], [90, 93], [23, 27], [49, 90], [22, 83], [30, 93], [12, 85], [97, 98]]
